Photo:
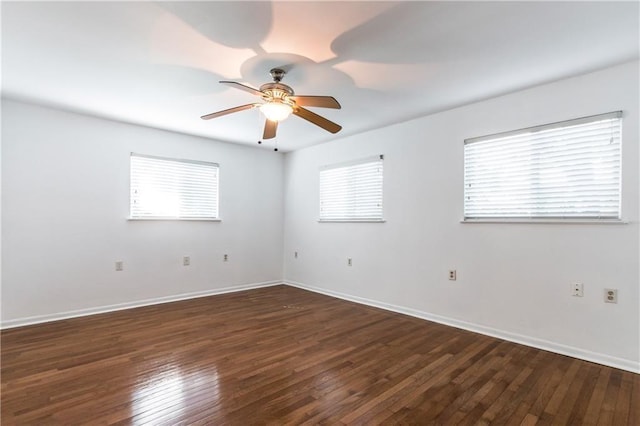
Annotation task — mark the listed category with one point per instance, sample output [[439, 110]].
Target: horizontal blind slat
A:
[[168, 188], [352, 192], [571, 170]]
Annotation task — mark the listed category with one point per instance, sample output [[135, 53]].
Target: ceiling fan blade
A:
[[316, 101], [227, 111], [270, 128], [314, 118], [243, 87]]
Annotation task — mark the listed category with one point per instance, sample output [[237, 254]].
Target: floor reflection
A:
[[166, 394]]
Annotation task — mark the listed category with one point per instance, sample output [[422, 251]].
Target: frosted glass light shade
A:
[[276, 111]]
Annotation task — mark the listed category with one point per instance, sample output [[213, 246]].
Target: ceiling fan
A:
[[279, 101]]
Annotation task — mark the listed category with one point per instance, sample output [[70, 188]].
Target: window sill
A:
[[351, 221], [172, 219], [555, 221]]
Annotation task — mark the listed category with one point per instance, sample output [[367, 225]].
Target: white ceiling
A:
[[158, 63]]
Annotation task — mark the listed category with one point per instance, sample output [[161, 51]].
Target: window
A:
[[557, 171], [352, 192], [164, 188]]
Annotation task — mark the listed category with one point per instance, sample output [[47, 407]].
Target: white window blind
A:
[[164, 188], [352, 192], [556, 171]]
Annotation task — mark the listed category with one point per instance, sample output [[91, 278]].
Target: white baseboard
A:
[[621, 363], [19, 322]]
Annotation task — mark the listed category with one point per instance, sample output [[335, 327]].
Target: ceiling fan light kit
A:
[[276, 110], [279, 102]]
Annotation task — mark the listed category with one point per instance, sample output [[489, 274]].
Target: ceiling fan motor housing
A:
[[277, 90], [278, 93]]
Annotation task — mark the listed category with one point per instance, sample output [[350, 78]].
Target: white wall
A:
[[65, 195], [65, 203], [513, 279]]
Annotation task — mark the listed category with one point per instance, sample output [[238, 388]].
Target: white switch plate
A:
[[119, 265]]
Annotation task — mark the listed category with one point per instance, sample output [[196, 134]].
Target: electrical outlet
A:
[[119, 265], [295, 254], [225, 258], [611, 295], [186, 261], [577, 289], [349, 261], [452, 275]]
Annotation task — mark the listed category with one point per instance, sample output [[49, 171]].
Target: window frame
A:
[[131, 217], [378, 159], [549, 219]]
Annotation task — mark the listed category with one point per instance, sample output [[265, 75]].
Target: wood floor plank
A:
[[579, 386], [282, 355], [607, 410], [520, 390], [455, 396], [634, 408], [621, 411], [583, 396]]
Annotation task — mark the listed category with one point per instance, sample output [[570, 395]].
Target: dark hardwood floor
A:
[[281, 355]]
